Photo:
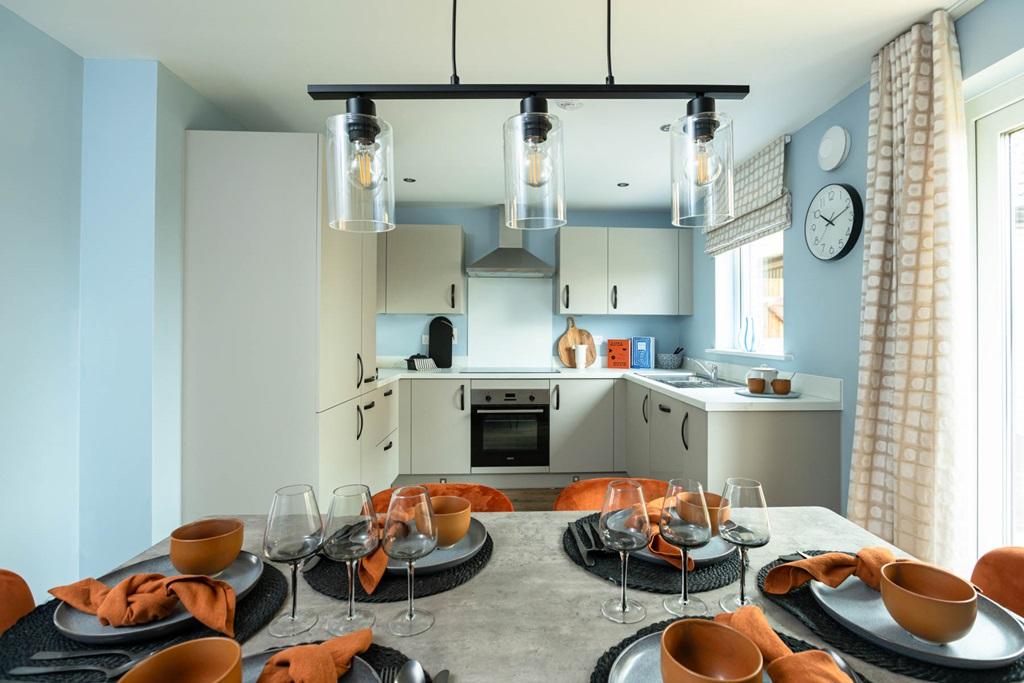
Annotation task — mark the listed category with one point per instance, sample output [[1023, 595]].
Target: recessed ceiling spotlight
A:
[[665, 127], [569, 105], [408, 180], [622, 184]]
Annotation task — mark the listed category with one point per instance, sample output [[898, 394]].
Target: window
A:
[[748, 297]]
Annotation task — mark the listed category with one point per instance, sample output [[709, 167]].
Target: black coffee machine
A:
[[442, 335]]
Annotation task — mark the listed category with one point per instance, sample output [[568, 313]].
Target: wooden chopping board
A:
[[574, 336]]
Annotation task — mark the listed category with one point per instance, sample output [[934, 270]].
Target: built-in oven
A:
[[510, 430]]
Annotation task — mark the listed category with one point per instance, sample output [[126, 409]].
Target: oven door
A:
[[510, 436]]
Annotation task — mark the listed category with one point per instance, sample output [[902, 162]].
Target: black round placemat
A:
[[603, 668], [801, 604], [331, 578], [647, 576], [36, 632]]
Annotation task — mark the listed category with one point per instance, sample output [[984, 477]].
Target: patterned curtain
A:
[[907, 480], [763, 204]]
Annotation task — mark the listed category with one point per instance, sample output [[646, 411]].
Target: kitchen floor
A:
[[532, 500]]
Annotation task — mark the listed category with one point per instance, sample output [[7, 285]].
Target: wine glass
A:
[[685, 523], [350, 534], [410, 533], [624, 527], [294, 532], [748, 526]]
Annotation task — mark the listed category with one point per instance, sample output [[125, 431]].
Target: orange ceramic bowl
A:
[[452, 515], [718, 509], [756, 385], [930, 602], [781, 386], [702, 651], [207, 546], [206, 660]]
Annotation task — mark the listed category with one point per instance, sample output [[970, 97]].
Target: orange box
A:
[[618, 353]]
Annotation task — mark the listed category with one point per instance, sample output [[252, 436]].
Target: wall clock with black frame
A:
[[833, 222]]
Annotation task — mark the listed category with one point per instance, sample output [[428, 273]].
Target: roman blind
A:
[[763, 204]]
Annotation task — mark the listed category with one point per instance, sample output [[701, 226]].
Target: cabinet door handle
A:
[[566, 296], [359, 416], [558, 396], [453, 296], [369, 405], [388, 393], [371, 378], [682, 431], [664, 408], [462, 397], [615, 296], [390, 444], [359, 371], [643, 408]]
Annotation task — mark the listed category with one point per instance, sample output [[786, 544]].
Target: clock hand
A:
[[828, 220], [839, 214]]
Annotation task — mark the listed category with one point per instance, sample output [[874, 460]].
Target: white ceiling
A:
[[255, 57]]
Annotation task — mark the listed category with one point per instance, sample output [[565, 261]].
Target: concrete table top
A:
[[532, 615]]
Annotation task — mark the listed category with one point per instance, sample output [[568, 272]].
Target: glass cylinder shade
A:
[[702, 170], [360, 174], [534, 172]]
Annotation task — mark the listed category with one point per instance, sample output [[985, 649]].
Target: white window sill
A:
[[750, 354]]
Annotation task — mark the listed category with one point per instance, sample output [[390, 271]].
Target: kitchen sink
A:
[[692, 382]]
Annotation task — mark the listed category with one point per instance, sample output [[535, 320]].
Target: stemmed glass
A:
[[685, 523], [350, 534], [748, 526], [410, 533], [294, 532], [624, 527]]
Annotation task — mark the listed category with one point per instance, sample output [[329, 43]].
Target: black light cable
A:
[[610, 79], [455, 68]]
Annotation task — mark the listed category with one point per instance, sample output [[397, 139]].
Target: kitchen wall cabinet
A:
[[379, 467], [679, 440], [340, 430], [582, 270], [643, 271], [685, 272], [439, 426], [582, 425], [638, 430], [425, 270]]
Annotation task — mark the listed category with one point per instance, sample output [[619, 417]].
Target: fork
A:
[[389, 674], [110, 673], [595, 535]]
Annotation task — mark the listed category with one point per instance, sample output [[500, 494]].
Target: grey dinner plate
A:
[[748, 394], [715, 551], [241, 575], [361, 672], [996, 639], [443, 558], [641, 662]]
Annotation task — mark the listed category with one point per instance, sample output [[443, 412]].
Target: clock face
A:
[[833, 222]]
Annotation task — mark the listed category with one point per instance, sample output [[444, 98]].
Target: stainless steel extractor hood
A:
[[509, 259]]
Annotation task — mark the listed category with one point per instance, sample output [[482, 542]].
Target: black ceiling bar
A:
[[584, 91]]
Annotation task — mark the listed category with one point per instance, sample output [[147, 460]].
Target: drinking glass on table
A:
[[685, 523], [624, 527], [294, 532], [410, 533], [350, 534], [747, 527]]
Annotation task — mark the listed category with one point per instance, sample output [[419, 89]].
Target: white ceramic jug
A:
[[764, 372]]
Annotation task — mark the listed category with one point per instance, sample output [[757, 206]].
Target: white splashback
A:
[[509, 321]]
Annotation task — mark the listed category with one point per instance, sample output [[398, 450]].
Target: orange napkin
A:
[[813, 666], [142, 598], [323, 663], [371, 570], [1000, 575], [831, 569], [658, 545]]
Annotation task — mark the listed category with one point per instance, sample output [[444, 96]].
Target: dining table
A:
[[533, 615]]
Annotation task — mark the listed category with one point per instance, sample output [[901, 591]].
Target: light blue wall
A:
[[399, 335], [40, 149], [988, 33]]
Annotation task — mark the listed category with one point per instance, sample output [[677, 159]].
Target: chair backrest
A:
[[15, 599], [588, 494], [1000, 575], [482, 498]]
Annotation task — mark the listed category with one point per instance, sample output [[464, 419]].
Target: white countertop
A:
[[718, 399]]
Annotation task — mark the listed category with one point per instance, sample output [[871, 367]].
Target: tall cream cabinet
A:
[[424, 270], [278, 317]]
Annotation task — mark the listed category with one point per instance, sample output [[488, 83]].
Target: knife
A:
[[441, 677], [584, 552]]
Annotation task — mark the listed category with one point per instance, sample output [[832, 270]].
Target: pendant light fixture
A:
[[702, 166], [534, 173], [360, 170]]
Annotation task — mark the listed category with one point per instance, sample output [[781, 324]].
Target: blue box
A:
[[642, 352]]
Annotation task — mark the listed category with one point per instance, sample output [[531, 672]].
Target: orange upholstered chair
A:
[[481, 498], [1000, 574], [15, 599], [588, 494]]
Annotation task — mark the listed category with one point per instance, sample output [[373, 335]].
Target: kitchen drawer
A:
[[379, 463], [389, 407], [376, 422]]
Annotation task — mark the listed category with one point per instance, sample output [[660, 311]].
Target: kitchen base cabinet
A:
[[679, 440], [582, 425], [439, 426], [638, 430], [380, 463], [340, 441]]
